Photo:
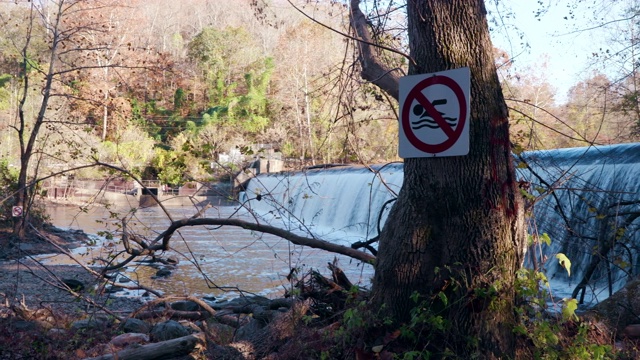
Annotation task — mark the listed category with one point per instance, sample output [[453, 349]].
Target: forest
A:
[[170, 90], [165, 91]]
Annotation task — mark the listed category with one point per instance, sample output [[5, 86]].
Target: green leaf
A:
[[564, 262], [545, 239], [517, 149], [569, 309], [443, 298]]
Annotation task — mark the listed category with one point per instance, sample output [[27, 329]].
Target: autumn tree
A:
[[53, 81], [533, 117], [454, 237], [587, 110]]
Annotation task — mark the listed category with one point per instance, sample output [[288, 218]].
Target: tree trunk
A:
[[457, 228], [25, 192]]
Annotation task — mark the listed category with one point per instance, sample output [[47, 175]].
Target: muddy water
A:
[[212, 261]]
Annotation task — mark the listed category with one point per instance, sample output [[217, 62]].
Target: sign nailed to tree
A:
[[16, 211], [434, 114]]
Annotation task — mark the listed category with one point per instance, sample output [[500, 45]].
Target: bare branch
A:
[[373, 69], [287, 235]]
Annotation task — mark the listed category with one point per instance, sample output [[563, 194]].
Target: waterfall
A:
[[343, 204], [588, 202], [585, 199]]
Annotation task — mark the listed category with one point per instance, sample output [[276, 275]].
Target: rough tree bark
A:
[[457, 227]]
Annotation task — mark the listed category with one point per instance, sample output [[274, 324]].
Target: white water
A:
[[591, 186], [343, 204]]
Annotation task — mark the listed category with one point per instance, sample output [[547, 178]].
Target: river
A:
[[212, 261]]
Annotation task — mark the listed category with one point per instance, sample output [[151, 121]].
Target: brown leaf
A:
[[389, 337]]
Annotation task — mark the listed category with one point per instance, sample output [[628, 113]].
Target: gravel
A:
[[25, 280], [38, 286]]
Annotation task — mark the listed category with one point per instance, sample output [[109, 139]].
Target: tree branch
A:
[[373, 69], [287, 235]]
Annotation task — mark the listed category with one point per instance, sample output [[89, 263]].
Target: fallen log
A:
[[153, 313], [165, 349], [173, 314]]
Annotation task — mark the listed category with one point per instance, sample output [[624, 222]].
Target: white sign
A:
[[16, 211], [434, 114]]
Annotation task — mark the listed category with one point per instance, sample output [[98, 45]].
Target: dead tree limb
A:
[[161, 242], [287, 235], [161, 350]]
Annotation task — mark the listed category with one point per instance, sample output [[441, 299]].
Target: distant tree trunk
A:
[[457, 227], [27, 136]]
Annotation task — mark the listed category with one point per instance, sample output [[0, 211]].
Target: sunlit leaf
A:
[[545, 239], [569, 309], [564, 262], [540, 189], [517, 149]]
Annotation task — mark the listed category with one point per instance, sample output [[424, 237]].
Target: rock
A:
[[191, 326], [57, 333], [241, 302], [87, 324], [621, 309], [124, 280], [73, 284], [28, 248], [127, 339], [186, 306], [23, 325], [173, 260], [250, 331], [168, 330], [263, 314], [240, 351], [164, 272], [632, 331], [113, 289], [132, 325], [245, 349], [277, 304], [219, 333], [209, 298]]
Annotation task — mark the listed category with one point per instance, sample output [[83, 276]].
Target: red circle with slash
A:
[[452, 134]]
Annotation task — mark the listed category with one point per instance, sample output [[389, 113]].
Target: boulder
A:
[[219, 333], [132, 325], [186, 306], [168, 330], [622, 308], [89, 324], [164, 272], [113, 289], [73, 284], [24, 325]]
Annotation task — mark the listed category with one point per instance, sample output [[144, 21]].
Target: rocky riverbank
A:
[[69, 314], [23, 280]]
